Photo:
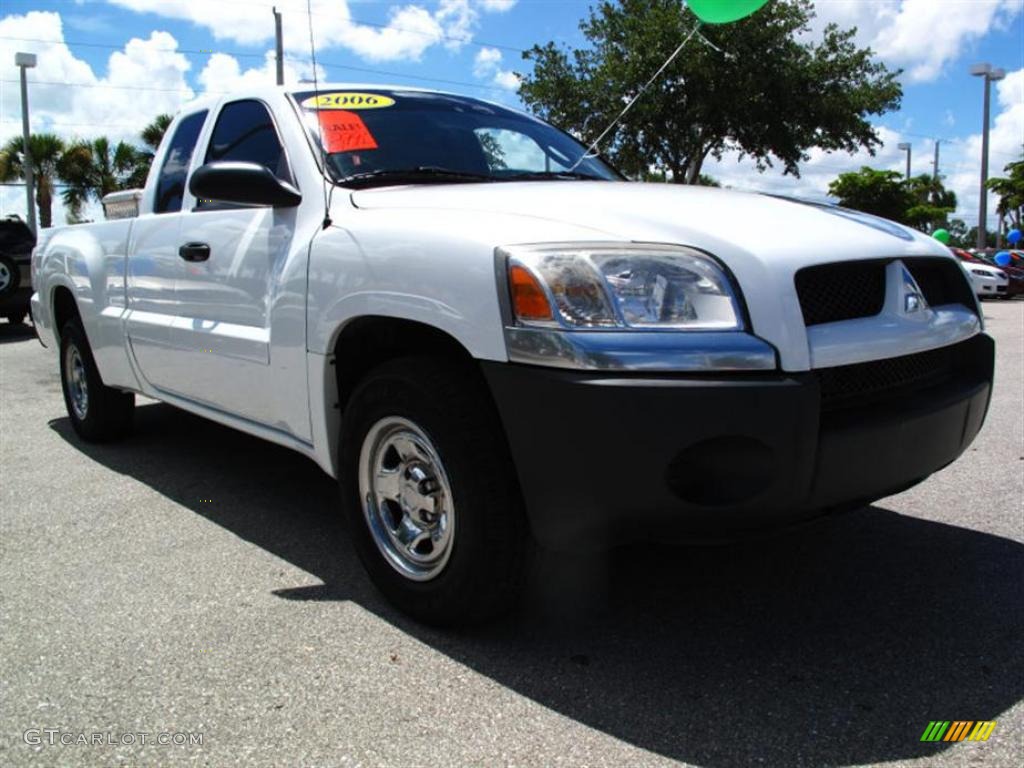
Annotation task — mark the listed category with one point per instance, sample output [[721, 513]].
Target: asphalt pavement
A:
[[193, 583]]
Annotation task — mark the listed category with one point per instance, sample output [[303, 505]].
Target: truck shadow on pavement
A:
[[11, 333], [834, 645]]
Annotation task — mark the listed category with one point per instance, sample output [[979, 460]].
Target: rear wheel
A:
[[430, 492], [98, 413]]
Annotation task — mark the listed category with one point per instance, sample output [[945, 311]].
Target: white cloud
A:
[[922, 36], [507, 79], [487, 66], [224, 73], [498, 6], [487, 59], [408, 33]]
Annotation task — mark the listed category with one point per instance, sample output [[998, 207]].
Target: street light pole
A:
[[991, 75], [906, 147], [279, 46], [27, 61]]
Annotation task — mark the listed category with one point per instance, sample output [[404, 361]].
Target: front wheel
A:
[[430, 492], [98, 413]]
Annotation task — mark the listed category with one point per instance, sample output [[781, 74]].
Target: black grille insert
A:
[[832, 292], [942, 281], [862, 383]]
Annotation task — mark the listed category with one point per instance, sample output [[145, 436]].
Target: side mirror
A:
[[245, 183]]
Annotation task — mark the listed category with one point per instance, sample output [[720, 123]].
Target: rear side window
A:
[[170, 186], [245, 133]]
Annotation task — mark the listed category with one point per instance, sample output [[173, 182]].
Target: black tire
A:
[[10, 276], [447, 401], [17, 318], [108, 413]]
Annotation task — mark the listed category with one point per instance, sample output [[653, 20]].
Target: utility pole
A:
[[991, 75], [906, 147], [26, 61], [935, 172], [280, 46]]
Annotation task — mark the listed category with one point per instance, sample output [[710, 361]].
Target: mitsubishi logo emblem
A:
[[913, 299]]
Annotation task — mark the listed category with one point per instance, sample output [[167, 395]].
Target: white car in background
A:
[[987, 281]]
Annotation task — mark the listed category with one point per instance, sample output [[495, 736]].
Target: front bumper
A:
[[607, 457]]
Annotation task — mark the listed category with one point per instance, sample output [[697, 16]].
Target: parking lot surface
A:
[[194, 580]]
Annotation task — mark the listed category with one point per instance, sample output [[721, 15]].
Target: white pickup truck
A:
[[491, 339]]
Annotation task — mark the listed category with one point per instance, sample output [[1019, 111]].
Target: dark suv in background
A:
[[16, 244]]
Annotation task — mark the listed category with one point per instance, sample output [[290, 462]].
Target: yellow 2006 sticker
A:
[[348, 100]]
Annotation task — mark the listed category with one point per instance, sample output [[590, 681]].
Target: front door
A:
[[229, 280]]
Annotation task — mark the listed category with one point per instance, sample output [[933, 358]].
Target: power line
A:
[[108, 85], [75, 125], [110, 46]]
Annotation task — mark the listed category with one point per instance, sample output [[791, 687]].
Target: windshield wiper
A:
[[420, 174], [552, 175]]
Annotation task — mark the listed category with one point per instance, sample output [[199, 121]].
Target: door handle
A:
[[194, 251]]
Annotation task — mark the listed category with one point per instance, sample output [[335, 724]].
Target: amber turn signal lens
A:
[[528, 298]]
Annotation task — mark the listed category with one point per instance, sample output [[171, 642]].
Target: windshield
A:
[[378, 137]]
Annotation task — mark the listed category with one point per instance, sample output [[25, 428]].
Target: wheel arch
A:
[[366, 341], [63, 308]]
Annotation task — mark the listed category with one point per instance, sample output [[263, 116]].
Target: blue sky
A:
[[107, 66]]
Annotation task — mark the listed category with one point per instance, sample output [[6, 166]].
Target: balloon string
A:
[[588, 155]]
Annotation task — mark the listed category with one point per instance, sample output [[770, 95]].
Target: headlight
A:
[[619, 285]]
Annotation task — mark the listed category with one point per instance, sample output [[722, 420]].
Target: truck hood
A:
[[729, 224]]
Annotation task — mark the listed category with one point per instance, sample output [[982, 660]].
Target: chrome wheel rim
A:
[[78, 386], [5, 277], [406, 498]]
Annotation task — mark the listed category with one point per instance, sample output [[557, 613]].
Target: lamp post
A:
[[991, 75], [26, 61], [905, 146]]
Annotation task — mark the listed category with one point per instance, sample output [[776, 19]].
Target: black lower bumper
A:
[[604, 457]]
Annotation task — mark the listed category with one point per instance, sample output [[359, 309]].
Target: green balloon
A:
[[723, 11], [942, 235]]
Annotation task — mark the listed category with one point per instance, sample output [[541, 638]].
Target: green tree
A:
[[92, 169], [151, 137], [47, 150], [922, 202], [958, 233], [1010, 189], [931, 203], [773, 94], [972, 238], [882, 193], [153, 133]]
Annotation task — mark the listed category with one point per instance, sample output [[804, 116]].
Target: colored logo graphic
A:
[[958, 730]]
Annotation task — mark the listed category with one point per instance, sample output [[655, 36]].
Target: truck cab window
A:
[[245, 133], [170, 186]]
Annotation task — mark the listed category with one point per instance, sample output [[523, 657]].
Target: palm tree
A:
[[151, 137], [153, 133], [1011, 193], [92, 169], [47, 150]]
